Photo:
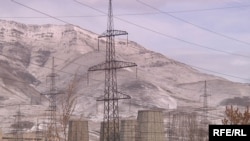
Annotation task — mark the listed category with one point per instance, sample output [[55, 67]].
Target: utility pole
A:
[[205, 105], [204, 121], [38, 132], [111, 93], [18, 132], [52, 133]]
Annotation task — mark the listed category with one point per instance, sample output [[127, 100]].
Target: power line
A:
[[232, 76], [209, 9], [204, 69], [166, 35], [34, 64], [228, 75], [142, 27], [40, 17], [131, 14], [126, 14], [190, 23], [39, 11], [145, 28], [80, 16], [126, 76], [58, 70]]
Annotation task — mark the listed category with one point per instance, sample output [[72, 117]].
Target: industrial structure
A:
[[128, 130], [204, 121], [150, 126], [78, 130], [51, 131], [18, 129], [205, 105], [111, 94]]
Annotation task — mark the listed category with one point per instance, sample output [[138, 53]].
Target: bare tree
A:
[[235, 116], [68, 104]]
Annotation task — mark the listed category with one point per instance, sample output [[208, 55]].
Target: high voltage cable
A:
[[166, 35], [122, 75], [208, 9], [167, 13], [134, 14], [102, 81], [58, 70], [40, 12], [190, 23], [140, 26], [81, 16], [33, 63], [145, 28], [232, 76]]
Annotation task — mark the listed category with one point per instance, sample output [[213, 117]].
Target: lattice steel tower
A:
[[111, 95], [18, 132], [51, 133], [205, 105]]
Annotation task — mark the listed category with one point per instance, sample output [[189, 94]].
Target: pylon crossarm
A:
[[52, 93], [120, 97], [123, 96], [112, 65], [110, 33]]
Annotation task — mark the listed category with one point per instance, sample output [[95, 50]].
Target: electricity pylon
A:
[[52, 133], [205, 105], [111, 93]]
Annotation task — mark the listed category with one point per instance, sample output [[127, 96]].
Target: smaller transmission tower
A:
[[39, 134], [205, 105], [18, 129], [52, 133]]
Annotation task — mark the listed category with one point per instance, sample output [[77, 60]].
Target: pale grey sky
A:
[[209, 34]]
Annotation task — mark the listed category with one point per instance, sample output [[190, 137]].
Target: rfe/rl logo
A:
[[229, 132]]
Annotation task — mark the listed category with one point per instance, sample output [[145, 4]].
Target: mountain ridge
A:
[[158, 82]]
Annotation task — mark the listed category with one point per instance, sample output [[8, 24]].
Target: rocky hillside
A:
[[157, 83]]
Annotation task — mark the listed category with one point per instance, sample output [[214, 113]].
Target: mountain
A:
[[158, 82]]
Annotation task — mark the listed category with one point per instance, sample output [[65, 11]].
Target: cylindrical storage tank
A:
[[78, 130], [150, 126], [103, 130], [127, 132]]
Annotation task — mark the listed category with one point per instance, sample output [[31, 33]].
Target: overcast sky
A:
[[212, 35]]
